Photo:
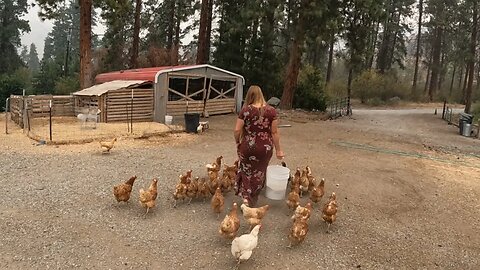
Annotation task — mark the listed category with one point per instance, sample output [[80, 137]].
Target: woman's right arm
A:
[[276, 139], [237, 132]]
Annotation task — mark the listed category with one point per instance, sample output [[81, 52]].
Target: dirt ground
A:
[[406, 182]]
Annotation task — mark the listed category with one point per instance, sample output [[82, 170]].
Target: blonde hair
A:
[[254, 95]]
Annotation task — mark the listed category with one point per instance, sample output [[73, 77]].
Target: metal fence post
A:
[[443, 112], [50, 118], [7, 104]]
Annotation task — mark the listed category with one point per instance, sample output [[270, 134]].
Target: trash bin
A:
[[464, 118], [192, 121], [467, 129]]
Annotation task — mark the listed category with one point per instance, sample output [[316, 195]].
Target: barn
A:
[[117, 100], [176, 90]]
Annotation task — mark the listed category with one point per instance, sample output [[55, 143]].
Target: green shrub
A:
[[67, 85], [370, 84], [476, 111], [13, 84], [310, 90], [336, 89]]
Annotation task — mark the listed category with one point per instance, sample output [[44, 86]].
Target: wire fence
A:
[[455, 119], [51, 119], [338, 108], [447, 114]]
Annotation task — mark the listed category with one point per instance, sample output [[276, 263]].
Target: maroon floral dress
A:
[[254, 151]]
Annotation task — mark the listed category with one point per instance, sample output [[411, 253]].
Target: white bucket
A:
[[277, 179], [168, 119]]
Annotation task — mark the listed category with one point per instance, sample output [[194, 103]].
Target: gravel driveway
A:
[[57, 210]]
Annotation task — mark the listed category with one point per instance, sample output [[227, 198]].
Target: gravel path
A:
[[57, 210]]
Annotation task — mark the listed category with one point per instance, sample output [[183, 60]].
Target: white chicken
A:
[[243, 246]]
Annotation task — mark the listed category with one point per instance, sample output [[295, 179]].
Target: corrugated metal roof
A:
[[133, 74], [152, 73], [100, 89]]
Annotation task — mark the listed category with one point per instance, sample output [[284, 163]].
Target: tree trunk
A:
[[176, 42], [384, 49], [136, 35], [293, 66], [171, 25], [293, 69], [453, 80], [202, 33], [85, 43], [464, 88], [330, 59], [349, 90], [209, 31], [417, 53], [427, 79], [436, 51], [460, 78], [471, 71], [442, 72], [374, 46]]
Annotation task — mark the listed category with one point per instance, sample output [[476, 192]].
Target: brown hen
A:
[[230, 224], [330, 211], [218, 202], [254, 216], [148, 197], [122, 191]]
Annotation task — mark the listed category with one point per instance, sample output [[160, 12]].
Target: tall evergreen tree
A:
[[419, 38], [392, 47], [119, 33], [360, 17], [24, 55], [50, 9], [472, 58], [300, 19], [33, 62], [12, 25], [202, 33]]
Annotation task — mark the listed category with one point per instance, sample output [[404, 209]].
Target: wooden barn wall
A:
[[179, 107], [220, 106], [119, 102]]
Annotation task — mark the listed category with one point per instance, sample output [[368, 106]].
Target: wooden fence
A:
[[39, 106]]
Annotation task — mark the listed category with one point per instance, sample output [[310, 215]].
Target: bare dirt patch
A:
[[395, 211]]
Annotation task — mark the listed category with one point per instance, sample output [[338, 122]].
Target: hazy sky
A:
[[40, 29]]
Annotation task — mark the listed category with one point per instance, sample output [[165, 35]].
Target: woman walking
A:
[[256, 135]]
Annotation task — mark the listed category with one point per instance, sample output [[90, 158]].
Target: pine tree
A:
[[33, 62], [12, 25], [24, 55], [50, 9]]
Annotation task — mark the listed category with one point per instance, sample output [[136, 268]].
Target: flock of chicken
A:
[[220, 182]]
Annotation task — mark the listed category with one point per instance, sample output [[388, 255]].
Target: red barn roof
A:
[[149, 74], [145, 74]]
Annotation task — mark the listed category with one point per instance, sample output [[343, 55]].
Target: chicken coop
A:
[[117, 101], [203, 89]]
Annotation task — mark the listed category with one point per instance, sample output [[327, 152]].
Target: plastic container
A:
[[464, 118], [277, 180], [467, 129], [192, 121], [168, 119]]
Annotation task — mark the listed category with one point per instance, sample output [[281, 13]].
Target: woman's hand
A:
[[280, 154]]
